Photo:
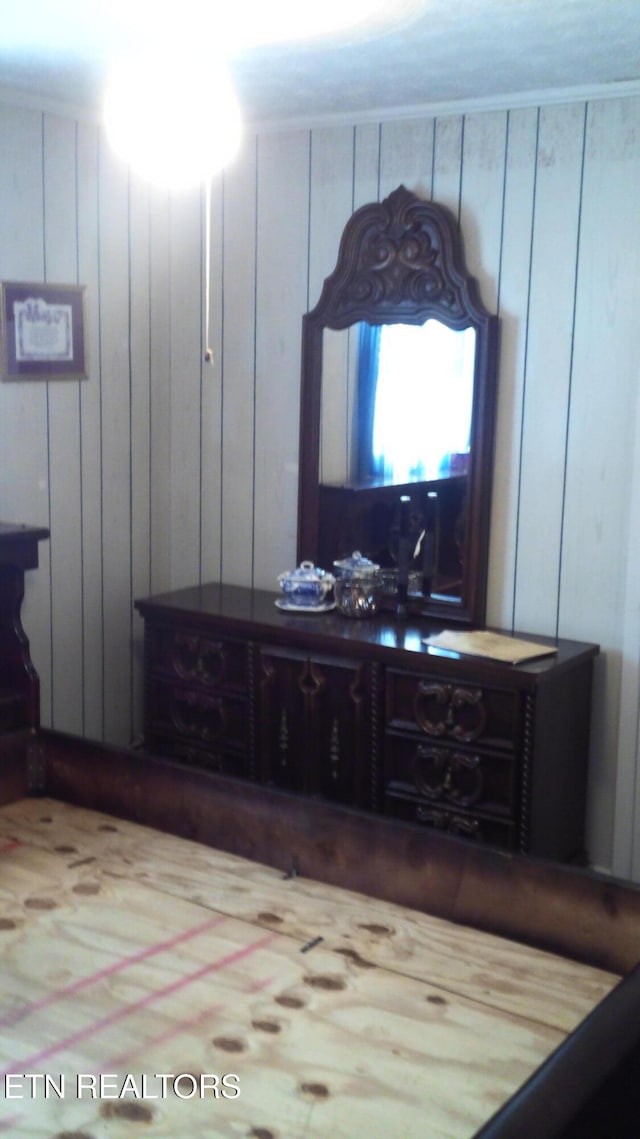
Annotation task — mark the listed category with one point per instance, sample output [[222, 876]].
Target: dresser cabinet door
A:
[[317, 719], [197, 699]]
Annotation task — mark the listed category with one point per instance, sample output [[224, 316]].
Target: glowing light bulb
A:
[[172, 115]]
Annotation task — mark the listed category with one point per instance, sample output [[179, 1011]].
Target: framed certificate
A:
[[43, 331]]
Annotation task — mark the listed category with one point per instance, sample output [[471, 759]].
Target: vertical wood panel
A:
[[626, 830], [513, 304], [447, 162], [140, 359], [331, 195], [331, 198], [89, 602], [61, 266], [482, 202], [281, 299], [186, 387], [24, 442], [159, 301], [238, 298], [211, 479], [601, 438], [115, 369], [406, 157], [366, 165], [548, 366]]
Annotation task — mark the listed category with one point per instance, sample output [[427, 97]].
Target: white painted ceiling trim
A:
[[503, 102]]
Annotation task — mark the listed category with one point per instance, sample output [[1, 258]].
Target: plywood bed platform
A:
[[130, 952], [160, 920]]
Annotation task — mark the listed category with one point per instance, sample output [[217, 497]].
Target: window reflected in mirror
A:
[[397, 403], [414, 401]]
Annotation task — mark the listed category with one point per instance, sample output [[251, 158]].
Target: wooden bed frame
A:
[[587, 1086]]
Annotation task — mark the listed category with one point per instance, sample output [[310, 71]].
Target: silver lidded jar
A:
[[356, 589]]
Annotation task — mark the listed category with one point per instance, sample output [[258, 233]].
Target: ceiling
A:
[[418, 54]]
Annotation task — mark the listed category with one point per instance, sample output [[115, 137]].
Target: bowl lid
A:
[[357, 564], [306, 571]]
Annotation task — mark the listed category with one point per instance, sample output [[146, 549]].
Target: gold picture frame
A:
[[42, 331]]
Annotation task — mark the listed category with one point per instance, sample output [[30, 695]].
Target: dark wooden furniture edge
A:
[[585, 1085], [563, 909], [16, 777], [588, 1088]]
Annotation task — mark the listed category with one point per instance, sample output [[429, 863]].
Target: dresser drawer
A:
[[207, 718], [197, 658], [462, 824], [450, 776], [453, 712], [222, 760]]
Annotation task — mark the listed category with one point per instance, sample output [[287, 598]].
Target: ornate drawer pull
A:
[[210, 761], [440, 773], [463, 716], [196, 715], [195, 658], [446, 821], [434, 817]]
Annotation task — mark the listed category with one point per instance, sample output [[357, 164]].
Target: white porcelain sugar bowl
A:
[[306, 587]]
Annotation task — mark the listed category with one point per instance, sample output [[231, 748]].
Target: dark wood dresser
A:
[[19, 683], [365, 714]]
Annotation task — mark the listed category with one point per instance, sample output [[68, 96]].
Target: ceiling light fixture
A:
[[170, 110], [172, 115]]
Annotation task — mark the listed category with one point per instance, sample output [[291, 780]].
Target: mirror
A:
[[398, 407], [370, 375]]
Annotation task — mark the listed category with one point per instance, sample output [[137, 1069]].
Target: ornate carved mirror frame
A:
[[401, 261]]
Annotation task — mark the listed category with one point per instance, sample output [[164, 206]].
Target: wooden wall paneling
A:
[[331, 195], [528, 530], [116, 443], [237, 350], [89, 599], [366, 164], [212, 394], [625, 859], [281, 284], [186, 387], [548, 365], [602, 439], [65, 542], [626, 830], [24, 445], [447, 161], [406, 156], [331, 201], [140, 337], [520, 176], [160, 394], [482, 203]]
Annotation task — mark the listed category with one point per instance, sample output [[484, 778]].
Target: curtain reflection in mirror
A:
[[415, 397]]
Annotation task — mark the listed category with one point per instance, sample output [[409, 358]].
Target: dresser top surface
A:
[[237, 610], [19, 544]]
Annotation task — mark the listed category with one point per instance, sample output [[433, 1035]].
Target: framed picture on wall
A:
[[42, 330]]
